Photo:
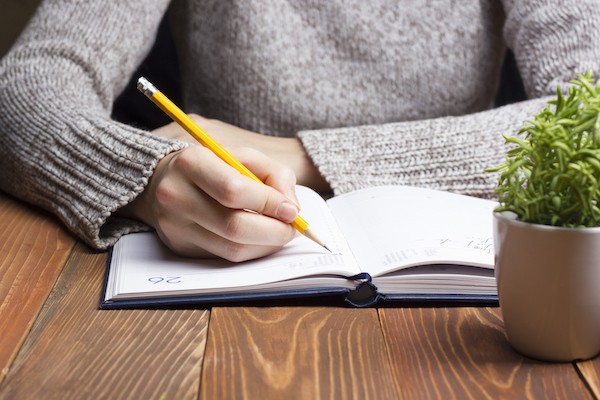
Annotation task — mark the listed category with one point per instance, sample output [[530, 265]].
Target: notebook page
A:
[[395, 226], [142, 266]]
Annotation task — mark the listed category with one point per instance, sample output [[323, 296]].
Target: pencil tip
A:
[[309, 234]]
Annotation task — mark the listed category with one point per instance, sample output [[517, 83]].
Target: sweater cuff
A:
[[93, 167], [449, 153]]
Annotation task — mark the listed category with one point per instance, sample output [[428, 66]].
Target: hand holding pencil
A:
[[196, 202]]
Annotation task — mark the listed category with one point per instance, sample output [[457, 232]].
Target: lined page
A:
[[142, 266], [396, 226]]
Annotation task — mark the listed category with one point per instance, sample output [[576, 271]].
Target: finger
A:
[[192, 240], [267, 169], [232, 189], [270, 171], [180, 203]]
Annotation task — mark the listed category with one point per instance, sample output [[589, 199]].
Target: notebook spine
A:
[[365, 293]]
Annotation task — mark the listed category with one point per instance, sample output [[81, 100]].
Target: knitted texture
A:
[[448, 153], [58, 147], [379, 92]]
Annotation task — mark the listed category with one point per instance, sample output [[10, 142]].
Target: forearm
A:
[[59, 148], [449, 153], [552, 41]]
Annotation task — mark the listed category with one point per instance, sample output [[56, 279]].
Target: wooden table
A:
[[56, 343]]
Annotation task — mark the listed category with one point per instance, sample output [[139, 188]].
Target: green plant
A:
[[551, 176]]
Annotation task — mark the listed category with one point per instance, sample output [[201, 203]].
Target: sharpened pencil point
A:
[[205, 139], [316, 239]]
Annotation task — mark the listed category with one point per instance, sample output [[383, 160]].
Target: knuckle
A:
[[235, 252], [231, 192], [165, 194], [185, 160], [234, 227]]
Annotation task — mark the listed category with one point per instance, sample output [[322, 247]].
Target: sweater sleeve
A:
[[59, 149], [551, 42]]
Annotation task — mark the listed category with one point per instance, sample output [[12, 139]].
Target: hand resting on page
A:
[[196, 202]]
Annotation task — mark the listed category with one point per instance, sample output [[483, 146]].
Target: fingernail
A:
[[287, 212]]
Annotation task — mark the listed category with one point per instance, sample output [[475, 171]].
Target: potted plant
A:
[[546, 229]]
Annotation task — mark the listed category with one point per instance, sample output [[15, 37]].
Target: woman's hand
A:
[[202, 207], [197, 202], [288, 151]]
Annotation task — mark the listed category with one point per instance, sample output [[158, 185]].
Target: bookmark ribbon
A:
[[365, 294]]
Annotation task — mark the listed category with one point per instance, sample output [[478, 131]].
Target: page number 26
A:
[[164, 279]]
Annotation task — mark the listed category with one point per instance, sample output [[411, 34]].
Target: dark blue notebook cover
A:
[[365, 294]]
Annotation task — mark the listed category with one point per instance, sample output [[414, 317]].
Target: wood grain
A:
[[56, 343], [463, 353], [76, 351], [296, 353], [33, 250], [590, 371]]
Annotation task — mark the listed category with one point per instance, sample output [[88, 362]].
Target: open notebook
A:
[[389, 243]]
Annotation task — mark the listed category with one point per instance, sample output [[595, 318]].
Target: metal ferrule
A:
[[146, 87]]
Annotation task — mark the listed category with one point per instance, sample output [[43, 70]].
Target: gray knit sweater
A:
[[379, 91]]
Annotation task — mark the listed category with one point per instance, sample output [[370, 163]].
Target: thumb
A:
[[276, 205], [273, 174]]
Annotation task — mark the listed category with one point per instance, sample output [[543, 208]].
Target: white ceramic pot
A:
[[549, 288]]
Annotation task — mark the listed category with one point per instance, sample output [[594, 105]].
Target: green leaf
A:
[[551, 172]]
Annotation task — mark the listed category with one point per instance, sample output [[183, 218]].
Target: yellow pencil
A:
[[205, 139]]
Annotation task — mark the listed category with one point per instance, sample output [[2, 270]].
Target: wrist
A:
[[140, 208], [307, 173]]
